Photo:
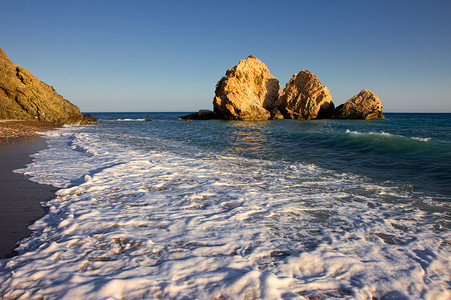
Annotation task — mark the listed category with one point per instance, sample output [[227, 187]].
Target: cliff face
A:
[[25, 97], [365, 105], [247, 92], [304, 97]]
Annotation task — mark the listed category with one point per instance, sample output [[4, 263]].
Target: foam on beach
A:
[[133, 223]]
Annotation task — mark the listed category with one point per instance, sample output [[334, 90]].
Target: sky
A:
[[150, 56]]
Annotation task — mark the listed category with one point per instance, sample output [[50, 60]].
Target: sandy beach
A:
[[11, 130], [19, 198]]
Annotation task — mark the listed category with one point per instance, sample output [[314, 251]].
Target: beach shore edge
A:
[[20, 199]]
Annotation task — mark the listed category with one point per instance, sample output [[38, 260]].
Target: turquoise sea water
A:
[[156, 207], [412, 151]]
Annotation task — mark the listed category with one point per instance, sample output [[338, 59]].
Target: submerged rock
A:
[[365, 105], [25, 97], [247, 92], [304, 97]]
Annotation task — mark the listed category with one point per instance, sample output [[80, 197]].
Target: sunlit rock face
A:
[[304, 97], [247, 92], [365, 105], [25, 97]]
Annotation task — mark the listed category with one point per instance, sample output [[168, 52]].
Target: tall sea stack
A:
[[250, 92], [247, 92], [304, 97]]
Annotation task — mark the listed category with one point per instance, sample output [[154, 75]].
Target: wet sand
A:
[[19, 198]]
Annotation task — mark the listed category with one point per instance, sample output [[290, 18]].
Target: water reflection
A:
[[249, 137]]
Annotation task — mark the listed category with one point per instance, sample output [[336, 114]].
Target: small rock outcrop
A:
[[304, 97], [203, 114], [365, 105], [247, 92], [25, 97]]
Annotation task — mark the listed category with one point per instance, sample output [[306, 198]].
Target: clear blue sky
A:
[[168, 55]]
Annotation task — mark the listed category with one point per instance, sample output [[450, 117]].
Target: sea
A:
[[152, 207]]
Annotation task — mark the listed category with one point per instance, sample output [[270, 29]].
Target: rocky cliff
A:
[[304, 97], [25, 97], [365, 105], [247, 92]]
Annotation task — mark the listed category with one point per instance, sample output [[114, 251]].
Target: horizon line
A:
[[156, 111]]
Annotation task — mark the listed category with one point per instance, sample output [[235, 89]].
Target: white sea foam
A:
[[421, 139], [382, 133], [137, 224], [127, 120]]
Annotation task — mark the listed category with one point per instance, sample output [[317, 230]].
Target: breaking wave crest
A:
[[130, 120], [388, 135]]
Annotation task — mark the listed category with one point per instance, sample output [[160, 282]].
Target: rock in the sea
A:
[[365, 105], [203, 114], [247, 92], [25, 97], [304, 97]]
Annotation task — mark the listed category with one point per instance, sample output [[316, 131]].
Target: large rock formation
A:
[[250, 92], [365, 105], [304, 97], [25, 97], [247, 92]]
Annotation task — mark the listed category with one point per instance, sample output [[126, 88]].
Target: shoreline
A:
[[20, 198], [12, 130], [170, 209]]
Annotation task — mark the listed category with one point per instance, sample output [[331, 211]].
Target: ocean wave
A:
[[128, 120], [386, 134], [172, 226], [421, 139]]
